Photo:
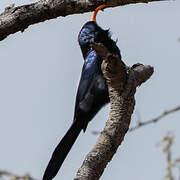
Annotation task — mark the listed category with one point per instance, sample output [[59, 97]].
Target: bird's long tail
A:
[[61, 151]]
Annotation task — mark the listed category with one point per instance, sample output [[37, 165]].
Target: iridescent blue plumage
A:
[[92, 92]]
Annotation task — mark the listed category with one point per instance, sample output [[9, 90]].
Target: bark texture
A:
[[122, 82], [15, 19]]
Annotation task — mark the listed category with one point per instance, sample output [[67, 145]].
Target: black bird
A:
[[92, 92]]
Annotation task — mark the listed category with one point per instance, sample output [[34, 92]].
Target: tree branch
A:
[[122, 82], [167, 142], [15, 19], [140, 124], [10, 175]]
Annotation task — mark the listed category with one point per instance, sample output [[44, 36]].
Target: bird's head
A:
[[92, 32]]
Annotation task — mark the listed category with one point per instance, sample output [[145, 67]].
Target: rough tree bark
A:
[[15, 19], [122, 83]]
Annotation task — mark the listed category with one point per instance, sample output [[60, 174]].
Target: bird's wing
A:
[[85, 97]]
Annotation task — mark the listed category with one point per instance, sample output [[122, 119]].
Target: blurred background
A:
[[39, 74]]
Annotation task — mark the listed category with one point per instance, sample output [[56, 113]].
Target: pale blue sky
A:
[[39, 74]]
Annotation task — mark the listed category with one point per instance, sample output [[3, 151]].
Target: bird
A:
[[92, 93]]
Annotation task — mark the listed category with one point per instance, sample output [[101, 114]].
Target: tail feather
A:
[[61, 151]]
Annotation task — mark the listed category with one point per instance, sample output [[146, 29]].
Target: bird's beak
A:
[[101, 7]]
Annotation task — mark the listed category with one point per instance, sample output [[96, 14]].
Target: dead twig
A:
[[167, 142], [140, 124], [12, 176]]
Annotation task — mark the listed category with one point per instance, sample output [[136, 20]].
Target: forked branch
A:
[[122, 83]]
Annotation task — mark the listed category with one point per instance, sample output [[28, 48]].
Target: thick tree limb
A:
[[15, 19], [122, 82]]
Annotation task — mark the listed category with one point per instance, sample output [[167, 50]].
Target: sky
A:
[[39, 74]]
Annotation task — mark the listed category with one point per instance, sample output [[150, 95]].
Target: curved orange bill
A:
[[101, 7]]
